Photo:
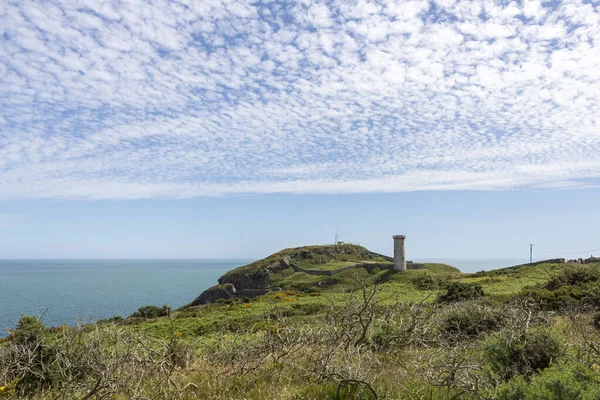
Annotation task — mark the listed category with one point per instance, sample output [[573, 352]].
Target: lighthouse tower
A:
[[399, 253]]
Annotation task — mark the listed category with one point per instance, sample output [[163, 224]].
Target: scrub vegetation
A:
[[523, 333]]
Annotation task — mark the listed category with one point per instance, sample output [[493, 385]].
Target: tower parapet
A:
[[399, 253]]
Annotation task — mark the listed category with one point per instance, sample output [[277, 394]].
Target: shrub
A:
[[573, 276], [512, 353], [424, 282], [572, 287], [458, 291], [7, 391], [151, 312], [384, 335], [303, 287], [559, 382], [563, 298], [28, 331], [470, 321], [280, 296]]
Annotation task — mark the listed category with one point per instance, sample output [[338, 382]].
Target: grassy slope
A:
[[396, 287], [206, 326], [312, 257]]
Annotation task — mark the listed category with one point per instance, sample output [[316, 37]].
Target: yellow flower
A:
[[2, 388], [178, 333]]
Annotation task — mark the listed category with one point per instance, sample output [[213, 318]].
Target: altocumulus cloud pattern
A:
[[140, 99]]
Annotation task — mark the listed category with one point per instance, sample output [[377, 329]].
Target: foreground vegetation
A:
[[526, 333]]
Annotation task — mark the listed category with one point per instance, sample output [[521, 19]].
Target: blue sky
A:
[[176, 128], [472, 224]]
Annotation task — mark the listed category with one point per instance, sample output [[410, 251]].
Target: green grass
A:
[[512, 280], [283, 371], [333, 291], [328, 266]]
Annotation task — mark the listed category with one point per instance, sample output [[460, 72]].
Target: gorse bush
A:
[[470, 320], [511, 353], [566, 381], [573, 276], [574, 287], [564, 298], [457, 291], [152, 312], [8, 390], [29, 329], [424, 282]]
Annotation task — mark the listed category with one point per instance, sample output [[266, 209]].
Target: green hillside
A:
[[527, 332]]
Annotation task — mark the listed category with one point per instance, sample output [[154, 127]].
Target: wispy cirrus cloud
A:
[[138, 99]]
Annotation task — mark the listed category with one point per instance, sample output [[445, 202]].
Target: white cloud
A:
[[138, 100]]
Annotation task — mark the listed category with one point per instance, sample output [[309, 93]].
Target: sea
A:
[[65, 292], [71, 291]]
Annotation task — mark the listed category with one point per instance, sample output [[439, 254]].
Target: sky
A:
[[231, 129]]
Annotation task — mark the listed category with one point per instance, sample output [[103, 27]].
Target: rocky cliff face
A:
[[255, 279]]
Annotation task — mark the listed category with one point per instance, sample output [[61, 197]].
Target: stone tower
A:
[[399, 253]]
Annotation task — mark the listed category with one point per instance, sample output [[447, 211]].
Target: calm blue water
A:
[[67, 290]]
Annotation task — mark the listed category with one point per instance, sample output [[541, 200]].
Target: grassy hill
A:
[[527, 332], [294, 269]]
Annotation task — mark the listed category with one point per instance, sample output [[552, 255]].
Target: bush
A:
[[573, 276], [9, 390], [470, 321], [560, 382], [424, 282], [572, 287], [303, 287], [458, 291], [384, 335], [28, 331], [147, 312], [522, 353]]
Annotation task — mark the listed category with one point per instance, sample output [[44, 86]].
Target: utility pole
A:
[[530, 253]]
